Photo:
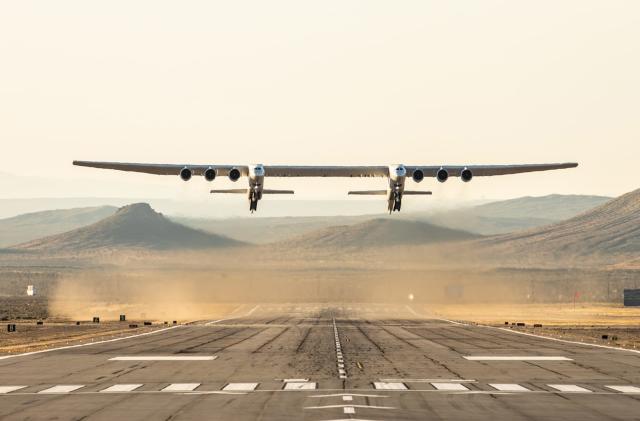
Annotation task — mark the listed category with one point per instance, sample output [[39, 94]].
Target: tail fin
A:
[[236, 191], [266, 191], [369, 192], [416, 193]]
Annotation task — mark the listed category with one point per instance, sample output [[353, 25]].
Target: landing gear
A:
[[253, 205], [395, 203]]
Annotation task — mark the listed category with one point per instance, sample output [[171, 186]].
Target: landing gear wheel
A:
[[397, 205], [253, 205]]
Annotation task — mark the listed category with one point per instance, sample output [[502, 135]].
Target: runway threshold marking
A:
[[429, 380], [62, 388], [121, 388], [515, 358], [569, 388], [509, 387], [624, 389], [9, 389], [181, 387], [165, 358], [300, 386], [389, 386], [243, 387], [450, 387]]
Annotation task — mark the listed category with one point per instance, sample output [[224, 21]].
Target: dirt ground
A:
[[57, 330], [604, 324]]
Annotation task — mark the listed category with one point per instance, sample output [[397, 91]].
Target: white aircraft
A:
[[395, 174]]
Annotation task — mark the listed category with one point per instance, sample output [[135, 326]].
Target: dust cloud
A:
[[206, 285]]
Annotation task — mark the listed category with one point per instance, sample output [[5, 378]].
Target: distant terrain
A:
[[377, 233], [513, 215], [30, 226], [133, 226], [609, 234]]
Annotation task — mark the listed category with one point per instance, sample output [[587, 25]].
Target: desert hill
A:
[[27, 227], [611, 230], [132, 226], [377, 233], [513, 215]]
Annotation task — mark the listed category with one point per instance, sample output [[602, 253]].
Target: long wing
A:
[[325, 171], [489, 170], [161, 169]]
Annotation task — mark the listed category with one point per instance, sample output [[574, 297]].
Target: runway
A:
[[320, 362]]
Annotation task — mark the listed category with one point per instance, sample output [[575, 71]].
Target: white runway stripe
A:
[[625, 389], [569, 388], [515, 358], [244, 387], [389, 386], [122, 388], [9, 389], [62, 388], [181, 387], [509, 387], [300, 386], [164, 358], [450, 387]]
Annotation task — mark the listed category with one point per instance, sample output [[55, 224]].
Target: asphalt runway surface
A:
[[321, 362]]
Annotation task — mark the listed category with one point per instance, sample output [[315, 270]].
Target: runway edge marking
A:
[[42, 351], [635, 351]]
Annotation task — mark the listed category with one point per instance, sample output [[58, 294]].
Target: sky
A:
[[331, 82]]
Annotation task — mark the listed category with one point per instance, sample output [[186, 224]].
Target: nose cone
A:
[[258, 171], [401, 171]]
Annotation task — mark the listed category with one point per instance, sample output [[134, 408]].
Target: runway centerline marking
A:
[[515, 358], [121, 388], [62, 388], [165, 358]]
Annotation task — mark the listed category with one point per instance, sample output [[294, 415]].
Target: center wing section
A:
[[325, 171]]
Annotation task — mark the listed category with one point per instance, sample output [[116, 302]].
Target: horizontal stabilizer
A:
[[369, 192], [416, 193], [266, 191], [237, 191]]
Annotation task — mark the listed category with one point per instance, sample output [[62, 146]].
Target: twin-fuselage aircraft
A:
[[396, 175]]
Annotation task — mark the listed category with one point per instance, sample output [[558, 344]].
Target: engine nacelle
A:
[[210, 174], [442, 175], [418, 175], [466, 175], [186, 174], [234, 174]]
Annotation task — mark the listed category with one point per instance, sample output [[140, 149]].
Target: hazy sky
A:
[[321, 82]]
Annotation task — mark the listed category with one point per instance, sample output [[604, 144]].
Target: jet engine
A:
[[234, 174], [186, 174], [442, 175], [418, 175], [466, 175], [210, 174]]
